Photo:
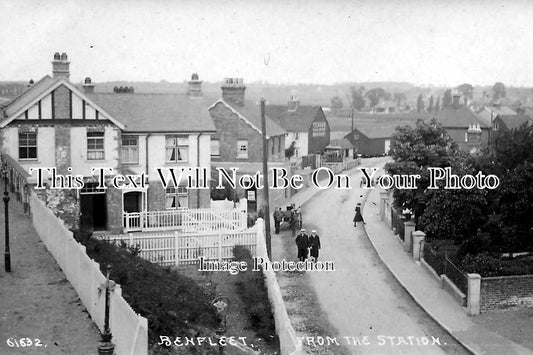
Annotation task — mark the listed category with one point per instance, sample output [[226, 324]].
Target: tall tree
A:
[[414, 150], [466, 90], [399, 97], [447, 98], [358, 100], [419, 104], [336, 104], [437, 105], [430, 107], [375, 95], [498, 90]]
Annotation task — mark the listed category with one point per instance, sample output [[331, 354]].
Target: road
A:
[[362, 298]]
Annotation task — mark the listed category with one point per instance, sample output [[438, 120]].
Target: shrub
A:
[[172, 303], [484, 264], [254, 294]]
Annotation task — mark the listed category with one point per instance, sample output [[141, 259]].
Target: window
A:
[[215, 148], [273, 146], [177, 149], [176, 198], [466, 136], [130, 150], [495, 126], [242, 149], [95, 145], [355, 136], [27, 145], [279, 145]]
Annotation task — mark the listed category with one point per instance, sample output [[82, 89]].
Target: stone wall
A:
[[506, 292]]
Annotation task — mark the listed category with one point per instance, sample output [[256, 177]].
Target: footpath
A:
[[37, 303], [426, 291]]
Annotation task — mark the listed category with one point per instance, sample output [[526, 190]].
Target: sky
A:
[[288, 42]]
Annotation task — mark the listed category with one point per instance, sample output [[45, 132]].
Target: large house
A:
[[306, 126], [467, 129], [238, 142], [56, 124]]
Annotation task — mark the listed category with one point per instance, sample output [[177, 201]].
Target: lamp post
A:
[[7, 255], [221, 303], [106, 347], [265, 177]]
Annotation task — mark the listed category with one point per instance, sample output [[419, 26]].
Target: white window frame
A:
[[215, 148], [28, 145], [176, 149], [242, 149], [94, 152], [176, 198], [130, 152]]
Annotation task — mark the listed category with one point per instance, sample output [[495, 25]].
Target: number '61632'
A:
[[23, 342]]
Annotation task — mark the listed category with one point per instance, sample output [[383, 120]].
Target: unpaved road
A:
[[362, 299]]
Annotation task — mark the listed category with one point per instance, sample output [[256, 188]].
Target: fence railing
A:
[[175, 248], [434, 259], [130, 331], [397, 223], [185, 220], [442, 265]]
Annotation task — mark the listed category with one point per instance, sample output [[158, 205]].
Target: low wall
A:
[[129, 330], [288, 342], [506, 292]]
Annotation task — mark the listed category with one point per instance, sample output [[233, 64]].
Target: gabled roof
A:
[[251, 114], [500, 110], [459, 117], [514, 121], [486, 117], [298, 120], [380, 130], [157, 112], [342, 143], [38, 91]]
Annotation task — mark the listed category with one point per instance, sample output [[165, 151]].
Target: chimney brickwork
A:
[[195, 86], [61, 66], [233, 90]]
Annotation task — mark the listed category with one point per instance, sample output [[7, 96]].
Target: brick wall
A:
[[156, 197], [63, 153], [64, 204], [62, 108], [506, 292], [231, 129]]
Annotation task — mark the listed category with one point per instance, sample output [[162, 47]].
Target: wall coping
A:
[[494, 278]]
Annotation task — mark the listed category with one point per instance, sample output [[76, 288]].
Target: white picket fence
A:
[[186, 220], [288, 341], [129, 330], [176, 248]]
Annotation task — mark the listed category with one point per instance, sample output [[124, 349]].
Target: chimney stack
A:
[[233, 90], [88, 86], [60, 66], [293, 103], [195, 86], [30, 84], [456, 101]]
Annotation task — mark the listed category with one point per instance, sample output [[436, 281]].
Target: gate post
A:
[[219, 247], [418, 239], [473, 298], [409, 228]]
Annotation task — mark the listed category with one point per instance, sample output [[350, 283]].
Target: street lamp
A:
[[106, 347], [7, 255], [221, 303]]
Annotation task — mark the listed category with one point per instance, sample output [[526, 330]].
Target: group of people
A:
[[293, 221], [307, 244]]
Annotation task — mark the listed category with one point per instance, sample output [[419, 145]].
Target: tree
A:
[[419, 104], [498, 91], [430, 107], [466, 90], [358, 101], [336, 104], [375, 95], [437, 105], [414, 150], [399, 97], [447, 98]]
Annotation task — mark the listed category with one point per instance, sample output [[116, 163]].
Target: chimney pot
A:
[[88, 86], [57, 56], [64, 57], [60, 66], [195, 86]]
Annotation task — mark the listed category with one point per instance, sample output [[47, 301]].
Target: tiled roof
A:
[[29, 95], [500, 110], [514, 121], [381, 130], [298, 120], [252, 113], [486, 117], [459, 117], [342, 143], [157, 112]]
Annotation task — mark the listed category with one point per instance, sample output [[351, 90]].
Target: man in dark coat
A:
[[277, 219], [302, 243], [358, 215], [314, 244]]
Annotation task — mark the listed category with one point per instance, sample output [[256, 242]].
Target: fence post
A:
[[474, 294], [176, 248], [408, 229], [418, 239], [219, 247]]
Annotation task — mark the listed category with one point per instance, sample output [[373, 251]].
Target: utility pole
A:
[[7, 255], [265, 178], [352, 119]]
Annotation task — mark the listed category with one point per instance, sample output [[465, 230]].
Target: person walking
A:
[[302, 244], [314, 244], [294, 222], [277, 219], [358, 215]]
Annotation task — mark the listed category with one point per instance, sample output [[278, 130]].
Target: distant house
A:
[[342, 149], [306, 126], [467, 129], [238, 142], [507, 122], [372, 140], [56, 124]]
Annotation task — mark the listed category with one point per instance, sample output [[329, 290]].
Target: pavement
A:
[[425, 288], [40, 312]]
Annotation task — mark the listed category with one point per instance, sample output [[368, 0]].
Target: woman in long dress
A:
[[358, 215]]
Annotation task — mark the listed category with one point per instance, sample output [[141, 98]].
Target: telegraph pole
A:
[[352, 120], [265, 178]]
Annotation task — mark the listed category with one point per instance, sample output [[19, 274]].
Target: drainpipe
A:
[[198, 163], [147, 168]]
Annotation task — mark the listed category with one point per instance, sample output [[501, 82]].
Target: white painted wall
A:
[[78, 148]]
